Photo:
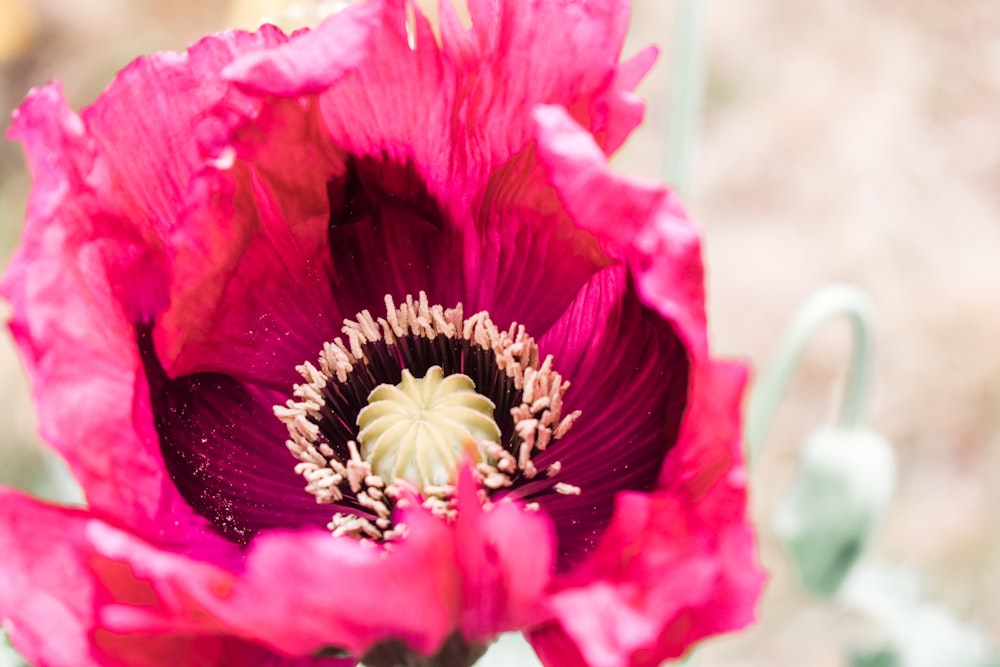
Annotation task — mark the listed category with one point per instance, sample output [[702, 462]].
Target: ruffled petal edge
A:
[[678, 563]]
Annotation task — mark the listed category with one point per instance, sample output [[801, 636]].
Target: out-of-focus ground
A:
[[840, 140]]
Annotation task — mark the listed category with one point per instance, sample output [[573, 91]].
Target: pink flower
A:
[[203, 231]]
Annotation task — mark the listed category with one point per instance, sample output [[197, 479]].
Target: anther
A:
[[359, 436]]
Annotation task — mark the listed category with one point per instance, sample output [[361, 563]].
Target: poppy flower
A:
[[359, 349]]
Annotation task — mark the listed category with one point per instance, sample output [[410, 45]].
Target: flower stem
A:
[[686, 64], [829, 303]]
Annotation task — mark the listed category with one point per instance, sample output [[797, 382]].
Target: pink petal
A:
[[108, 186], [503, 580], [373, 85], [678, 564], [292, 70], [250, 265], [138, 649], [373, 106], [525, 261], [641, 588], [158, 608], [303, 592], [151, 155], [630, 380], [525, 67], [554, 647], [78, 262], [52, 593], [249, 274], [643, 220], [44, 585]]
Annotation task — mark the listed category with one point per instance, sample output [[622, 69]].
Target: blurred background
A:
[[838, 141]]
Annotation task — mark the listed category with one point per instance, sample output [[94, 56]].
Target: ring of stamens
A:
[[504, 366]]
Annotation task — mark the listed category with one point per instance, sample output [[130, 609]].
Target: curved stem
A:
[[825, 305], [686, 64]]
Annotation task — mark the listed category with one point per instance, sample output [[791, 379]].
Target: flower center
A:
[[397, 408], [418, 430]]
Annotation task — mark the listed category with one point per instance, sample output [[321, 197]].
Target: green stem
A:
[[825, 305], [686, 64]]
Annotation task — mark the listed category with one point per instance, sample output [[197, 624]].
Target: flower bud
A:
[[841, 491]]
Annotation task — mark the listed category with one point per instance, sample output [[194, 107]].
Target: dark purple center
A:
[[225, 449]]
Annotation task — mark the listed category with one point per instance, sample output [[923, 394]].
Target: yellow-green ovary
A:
[[419, 429]]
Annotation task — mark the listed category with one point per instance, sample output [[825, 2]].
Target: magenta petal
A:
[[683, 577], [643, 220], [225, 452], [79, 274], [251, 260], [527, 258], [575, 71], [630, 380], [291, 70], [151, 156], [554, 647], [372, 87], [141, 649], [687, 546], [52, 593], [44, 583], [304, 592], [503, 581], [155, 608], [678, 564]]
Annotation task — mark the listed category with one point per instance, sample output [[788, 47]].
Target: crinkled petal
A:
[[608, 339], [503, 581], [156, 608], [43, 583], [82, 270], [373, 109], [566, 71], [251, 268], [53, 594], [375, 102], [659, 582], [643, 220], [109, 185], [290, 70], [140, 649], [143, 123], [381, 106], [528, 260], [676, 564], [304, 592]]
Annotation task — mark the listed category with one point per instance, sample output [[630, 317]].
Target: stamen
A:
[[363, 425]]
